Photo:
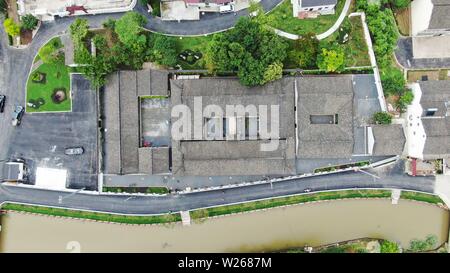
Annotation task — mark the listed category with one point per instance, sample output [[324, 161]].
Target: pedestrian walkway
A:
[[327, 33]]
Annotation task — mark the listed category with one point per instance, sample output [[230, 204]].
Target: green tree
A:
[[400, 4], [49, 53], [429, 243], [382, 118], [29, 22], [273, 72], [163, 50], [130, 32], [249, 48], [305, 51], [393, 81], [331, 60], [405, 100], [389, 247], [11, 27], [78, 31]]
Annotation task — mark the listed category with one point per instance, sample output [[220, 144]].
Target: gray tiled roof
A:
[[437, 144], [436, 94], [315, 3], [200, 157], [111, 111], [389, 139], [121, 110], [440, 18], [325, 96]]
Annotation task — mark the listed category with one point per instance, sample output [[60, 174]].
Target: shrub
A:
[[11, 27], [389, 247], [29, 22], [393, 81], [405, 100], [331, 60], [382, 118]]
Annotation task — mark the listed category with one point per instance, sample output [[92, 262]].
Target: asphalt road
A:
[[164, 204]]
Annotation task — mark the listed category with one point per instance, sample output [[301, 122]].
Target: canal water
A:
[[280, 228]]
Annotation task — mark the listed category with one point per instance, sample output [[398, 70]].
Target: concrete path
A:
[[338, 22]]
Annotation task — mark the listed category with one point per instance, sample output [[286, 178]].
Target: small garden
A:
[[48, 86], [19, 28], [281, 18]]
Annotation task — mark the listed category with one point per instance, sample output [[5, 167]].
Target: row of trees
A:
[[28, 22], [129, 46], [382, 26]]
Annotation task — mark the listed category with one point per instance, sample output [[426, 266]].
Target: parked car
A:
[[307, 190], [2, 103], [17, 115], [74, 151]]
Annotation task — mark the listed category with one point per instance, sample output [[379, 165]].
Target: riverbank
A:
[[312, 224], [202, 214]]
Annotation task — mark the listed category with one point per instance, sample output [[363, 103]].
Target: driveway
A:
[[42, 138]]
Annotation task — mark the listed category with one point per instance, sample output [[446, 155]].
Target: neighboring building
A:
[[192, 9], [312, 8], [48, 10], [430, 28], [429, 121]]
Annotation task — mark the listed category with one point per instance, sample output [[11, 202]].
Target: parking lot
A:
[[42, 138]]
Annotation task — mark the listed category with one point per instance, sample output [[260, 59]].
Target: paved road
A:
[[209, 23], [389, 178]]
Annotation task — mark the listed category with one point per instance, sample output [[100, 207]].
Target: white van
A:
[[226, 9]]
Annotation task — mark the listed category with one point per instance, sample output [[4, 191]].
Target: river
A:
[[279, 228]]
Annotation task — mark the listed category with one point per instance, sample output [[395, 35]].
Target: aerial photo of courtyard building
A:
[[225, 126]]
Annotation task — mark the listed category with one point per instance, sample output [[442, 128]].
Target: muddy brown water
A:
[[280, 228]]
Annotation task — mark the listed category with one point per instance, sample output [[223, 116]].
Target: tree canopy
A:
[[249, 48], [305, 52], [331, 60], [129, 30], [29, 22], [11, 27]]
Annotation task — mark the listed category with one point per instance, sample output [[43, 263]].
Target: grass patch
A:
[[154, 190], [157, 219], [417, 196], [196, 44], [276, 202], [56, 76], [281, 18]]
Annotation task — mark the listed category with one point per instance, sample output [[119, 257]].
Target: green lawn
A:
[[155, 190], [56, 77], [282, 18], [305, 198], [197, 44], [165, 218], [297, 199], [356, 49]]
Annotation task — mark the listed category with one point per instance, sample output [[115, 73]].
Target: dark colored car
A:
[[74, 151], [2, 103], [17, 115]]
